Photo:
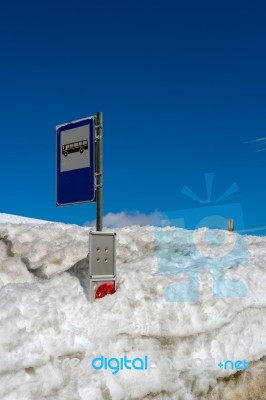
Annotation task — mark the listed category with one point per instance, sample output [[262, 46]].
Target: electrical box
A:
[[102, 260]]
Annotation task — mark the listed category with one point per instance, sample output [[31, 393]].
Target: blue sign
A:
[[75, 162]]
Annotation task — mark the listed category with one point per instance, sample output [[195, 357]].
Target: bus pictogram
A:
[[74, 147]]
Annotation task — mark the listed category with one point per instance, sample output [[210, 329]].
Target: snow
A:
[[49, 332], [16, 219]]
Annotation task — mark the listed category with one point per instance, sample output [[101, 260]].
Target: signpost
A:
[[75, 162], [79, 180], [99, 169]]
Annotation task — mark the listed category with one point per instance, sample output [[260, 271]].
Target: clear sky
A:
[[182, 86]]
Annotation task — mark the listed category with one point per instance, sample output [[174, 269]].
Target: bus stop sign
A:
[[75, 159]]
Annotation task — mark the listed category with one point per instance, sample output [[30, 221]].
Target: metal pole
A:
[[99, 170], [230, 225]]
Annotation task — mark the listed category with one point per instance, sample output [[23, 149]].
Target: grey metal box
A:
[[102, 251]]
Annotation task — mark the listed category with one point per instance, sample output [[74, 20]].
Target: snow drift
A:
[[49, 332]]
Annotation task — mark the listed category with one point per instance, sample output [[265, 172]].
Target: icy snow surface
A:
[[16, 219], [49, 332]]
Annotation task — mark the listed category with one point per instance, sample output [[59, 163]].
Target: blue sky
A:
[[182, 87]]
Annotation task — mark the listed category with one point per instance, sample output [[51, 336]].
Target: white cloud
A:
[[257, 229], [262, 139], [259, 143], [125, 218]]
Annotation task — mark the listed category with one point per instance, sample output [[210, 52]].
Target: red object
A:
[[104, 289]]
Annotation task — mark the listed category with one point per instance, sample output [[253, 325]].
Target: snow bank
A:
[[16, 219], [49, 333]]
